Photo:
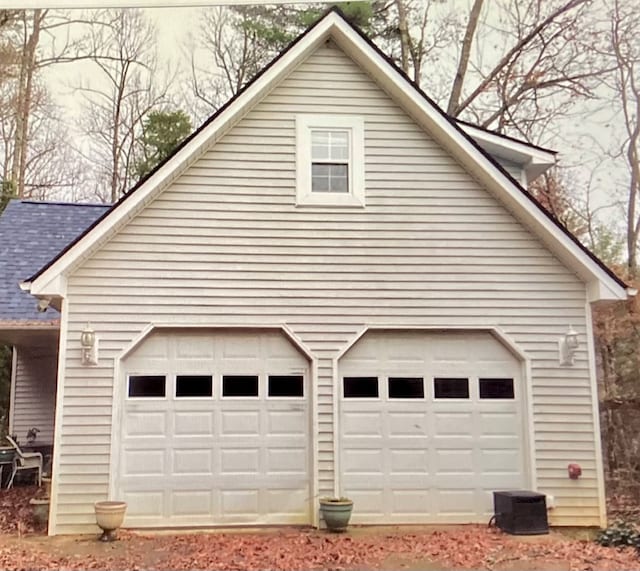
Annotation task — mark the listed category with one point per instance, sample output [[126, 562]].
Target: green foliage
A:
[[620, 534], [7, 192], [276, 27], [162, 133], [608, 245]]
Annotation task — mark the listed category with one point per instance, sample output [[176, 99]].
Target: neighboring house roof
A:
[[31, 233], [50, 280]]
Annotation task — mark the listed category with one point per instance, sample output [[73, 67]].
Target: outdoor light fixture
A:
[[567, 347], [89, 344]]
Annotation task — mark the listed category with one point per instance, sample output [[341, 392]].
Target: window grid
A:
[[330, 160]]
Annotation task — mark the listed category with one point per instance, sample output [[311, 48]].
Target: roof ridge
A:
[[61, 203]]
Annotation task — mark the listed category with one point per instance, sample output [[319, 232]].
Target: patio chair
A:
[[25, 461]]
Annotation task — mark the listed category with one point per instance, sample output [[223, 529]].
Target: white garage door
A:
[[431, 423], [215, 431]]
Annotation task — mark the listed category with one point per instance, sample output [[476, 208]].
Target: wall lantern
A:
[[568, 346], [89, 344]]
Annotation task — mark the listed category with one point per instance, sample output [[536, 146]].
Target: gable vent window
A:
[[194, 386], [448, 388], [406, 388], [329, 160], [147, 386], [360, 387], [496, 389]]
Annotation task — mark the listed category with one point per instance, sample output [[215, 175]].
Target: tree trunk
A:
[[405, 39], [24, 100], [465, 54]]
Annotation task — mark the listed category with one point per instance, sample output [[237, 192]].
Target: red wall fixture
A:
[[575, 471]]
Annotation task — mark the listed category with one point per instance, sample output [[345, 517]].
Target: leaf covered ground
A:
[[23, 545]]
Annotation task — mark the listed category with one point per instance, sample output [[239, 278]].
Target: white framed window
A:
[[329, 160]]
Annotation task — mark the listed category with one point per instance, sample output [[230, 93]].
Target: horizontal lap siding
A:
[[226, 244], [34, 395]]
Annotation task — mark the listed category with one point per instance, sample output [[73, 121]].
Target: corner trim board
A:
[[57, 432]]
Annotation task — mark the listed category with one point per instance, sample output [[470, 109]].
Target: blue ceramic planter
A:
[[336, 512]]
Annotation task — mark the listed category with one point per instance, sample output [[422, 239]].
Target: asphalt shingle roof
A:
[[31, 234]]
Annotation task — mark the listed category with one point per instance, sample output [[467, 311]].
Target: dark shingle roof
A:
[[31, 233]]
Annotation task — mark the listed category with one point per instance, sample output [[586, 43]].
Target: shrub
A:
[[619, 534]]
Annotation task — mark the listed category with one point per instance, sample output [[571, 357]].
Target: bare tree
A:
[[465, 54], [545, 61], [126, 86], [230, 44], [25, 100], [625, 50]]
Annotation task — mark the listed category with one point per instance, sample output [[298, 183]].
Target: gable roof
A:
[[602, 283], [31, 233]]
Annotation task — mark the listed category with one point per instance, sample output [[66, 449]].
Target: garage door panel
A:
[[412, 502], [428, 459], [192, 503], [360, 423], [145, 423], [354, 482], [235, 460], [290, 460], [363, 460], [455, 501], [240, 502], [193, 423], [144, 503], [193, 461], [144, 462], [420, 481], [408, 424], [454, 462], [496, 423], [501, 461], [409, 461], [368, 502], [209, 459], [242, 422], [453, 423], [286, 501]]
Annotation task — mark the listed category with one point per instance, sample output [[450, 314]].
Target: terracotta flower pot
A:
[[336, 512], [109, 517]]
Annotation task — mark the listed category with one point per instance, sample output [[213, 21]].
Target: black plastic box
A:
[[521, 512]]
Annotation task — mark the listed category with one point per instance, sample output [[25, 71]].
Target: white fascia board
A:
[[451, 138], [511, 150], [48, 283]]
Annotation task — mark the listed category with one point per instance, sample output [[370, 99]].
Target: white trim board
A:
[[601, 285]]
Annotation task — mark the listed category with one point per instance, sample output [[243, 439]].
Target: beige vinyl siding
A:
[[34, 397], [225, 244]]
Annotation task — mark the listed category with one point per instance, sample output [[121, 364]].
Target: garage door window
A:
[[240, 386], [147, 386], [496, 389], [360, 387], [406, 388], [449, 388], [286, 386], [194, 386]]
